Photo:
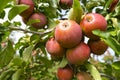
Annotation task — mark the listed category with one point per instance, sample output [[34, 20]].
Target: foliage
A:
[[27, 59]]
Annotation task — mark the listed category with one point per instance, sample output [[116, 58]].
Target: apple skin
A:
[[41, 17], [54, 48], [83, 76], [68, 33], [93, 21], [66, 4], [79, 54], [97, 47], [27, 13], [65, 73]]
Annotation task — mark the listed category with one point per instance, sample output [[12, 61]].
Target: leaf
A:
[[17, 9], [75, 12], [94, 72], [27, 53], [114, 44], [3, 4], [6, 55], [46, 62], [6, 74], [63, 63], [17, 74], [116, 65]]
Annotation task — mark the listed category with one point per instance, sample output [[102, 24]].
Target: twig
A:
[[28, 31]]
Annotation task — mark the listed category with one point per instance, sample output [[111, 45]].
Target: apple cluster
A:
[[68, 41], [38, 19]]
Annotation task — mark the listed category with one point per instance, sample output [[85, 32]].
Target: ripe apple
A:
[[93, 21], [68, 33], [65, 73], [83, 76], [54, 48], [79, 54], [66, 4], [42, 20], [26, 14], [97, 47]]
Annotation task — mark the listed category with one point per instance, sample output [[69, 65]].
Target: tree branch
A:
[[28, 31]]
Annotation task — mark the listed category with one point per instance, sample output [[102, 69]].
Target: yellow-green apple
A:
[[97, 47], [54, 49], [65, 73], [66, 4], [79, 54], [41, 20], [68, 33], [93, 21], [83, 76], [26, 14]]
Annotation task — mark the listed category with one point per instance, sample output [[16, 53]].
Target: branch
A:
[[28, 31]]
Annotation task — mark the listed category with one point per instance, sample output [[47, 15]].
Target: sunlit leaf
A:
[[75, 12], [94, 72], [17, 74], [17, 9], [3, 4]]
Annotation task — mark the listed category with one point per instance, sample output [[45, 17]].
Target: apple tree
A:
[[59, 39]]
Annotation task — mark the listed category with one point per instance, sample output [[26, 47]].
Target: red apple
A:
[[42, 20], [79, 54], [68, 33], [25, 14], [83, 76], [54, 48], [65, 73], [93, 21], [97, 47], [65, 4]]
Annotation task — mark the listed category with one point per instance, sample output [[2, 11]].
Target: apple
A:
[[68, 33], [54, 48], [97, 47], [79, 54], [93, 21], [65, 73], [42, 20], [83, 76], [66, 4], [26, 14]]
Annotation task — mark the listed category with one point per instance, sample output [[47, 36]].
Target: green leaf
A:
[[46, 62], [17, 74], [113, 43], [76, 11], [27, 53], [3, 4], [94, 72], [6, 74], [17, 9], [116, 65], [16, 61], [2, 14], [63, 63], [6, 55]]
